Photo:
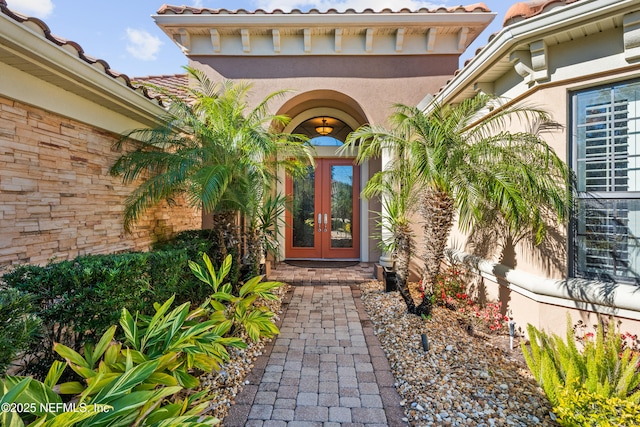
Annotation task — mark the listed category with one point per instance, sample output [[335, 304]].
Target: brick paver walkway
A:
[[326, 368], [314, 276]]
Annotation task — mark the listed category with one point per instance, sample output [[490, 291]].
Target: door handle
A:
[[325, 223], [319, 223]]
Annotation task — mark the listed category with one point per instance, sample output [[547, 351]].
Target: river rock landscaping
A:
[[462, 380]]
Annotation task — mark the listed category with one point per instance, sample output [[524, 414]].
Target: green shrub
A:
[[86, 295], [604, 369], [78, 300], [23, 398], [170, 276], [121, 388], [217, 243], [19, 326], [193, 340], [578, 407]]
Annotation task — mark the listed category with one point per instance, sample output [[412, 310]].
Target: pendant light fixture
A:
[[324, 129]]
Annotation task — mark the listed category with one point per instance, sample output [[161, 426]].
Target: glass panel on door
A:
[[323, 215], [303, 209], [342, 206]]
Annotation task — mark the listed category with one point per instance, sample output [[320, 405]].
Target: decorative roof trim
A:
[[167, 9], [571, 14], [296, 33]]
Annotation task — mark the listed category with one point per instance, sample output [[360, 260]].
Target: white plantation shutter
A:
[[606, 160]]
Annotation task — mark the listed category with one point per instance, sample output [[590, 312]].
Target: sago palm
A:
[[213, 148]]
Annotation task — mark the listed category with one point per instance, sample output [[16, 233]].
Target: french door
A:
[[323, 219]]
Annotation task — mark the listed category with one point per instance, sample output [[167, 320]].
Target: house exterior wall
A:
[[57, 198], [60, 113], [361, 88], [374, 83], [534, 282]]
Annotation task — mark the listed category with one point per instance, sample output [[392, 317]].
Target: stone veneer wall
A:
[[57, 198]]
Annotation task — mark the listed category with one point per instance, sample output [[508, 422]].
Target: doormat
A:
[[322, 264]]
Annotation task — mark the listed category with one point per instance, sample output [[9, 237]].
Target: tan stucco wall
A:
[[363, 88], [572, 64], [375, 83], [57, 198]]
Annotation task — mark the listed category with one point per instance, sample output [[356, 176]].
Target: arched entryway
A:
[[326, 219]]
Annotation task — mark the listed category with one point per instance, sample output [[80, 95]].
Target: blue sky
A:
[[123, 33]]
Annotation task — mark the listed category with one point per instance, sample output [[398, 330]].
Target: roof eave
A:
[[23, 46], [520, 33]]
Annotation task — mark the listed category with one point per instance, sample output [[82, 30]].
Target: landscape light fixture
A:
[[324, 129]]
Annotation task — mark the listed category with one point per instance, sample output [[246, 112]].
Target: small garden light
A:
[[425, 342], [512, 332]]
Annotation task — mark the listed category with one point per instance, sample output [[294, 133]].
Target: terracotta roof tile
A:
[[167, 9], [527, 9], [518, 12], [40, 26], [175, 84]]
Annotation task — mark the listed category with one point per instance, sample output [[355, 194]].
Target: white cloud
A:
[[142, 45], [341, 5], [197, 3], [38, 8]]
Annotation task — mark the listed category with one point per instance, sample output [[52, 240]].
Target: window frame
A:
[[606, 196]]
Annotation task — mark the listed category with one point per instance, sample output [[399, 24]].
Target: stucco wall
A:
[[532, 280], [57, 198], [375, 83], [364, 88]]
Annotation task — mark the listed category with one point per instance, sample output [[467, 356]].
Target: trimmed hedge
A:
[[217, 243], [78, 300]]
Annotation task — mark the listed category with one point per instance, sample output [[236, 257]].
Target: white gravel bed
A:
[[462, 380]]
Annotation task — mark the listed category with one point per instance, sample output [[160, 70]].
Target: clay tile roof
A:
[[38, 25], [175, 84], [527, 9], [166, 9], [517, 12]]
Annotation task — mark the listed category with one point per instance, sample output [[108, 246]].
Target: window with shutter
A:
[[606, 159]]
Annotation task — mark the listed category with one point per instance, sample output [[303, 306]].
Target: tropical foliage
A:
[[136, 384], [214, 150], [239, 311], [604, 373], [150, 376], [78, 300], [19, 325], [466, 163], [396, 184], [472, 166]]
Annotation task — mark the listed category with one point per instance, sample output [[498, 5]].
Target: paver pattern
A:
[[326, 368], [314, 276]]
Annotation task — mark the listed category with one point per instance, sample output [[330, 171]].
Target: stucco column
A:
[[386, 259]]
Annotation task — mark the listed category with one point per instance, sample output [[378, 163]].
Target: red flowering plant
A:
[[450, 287], [488, 319], [451, 291], [627, 339]]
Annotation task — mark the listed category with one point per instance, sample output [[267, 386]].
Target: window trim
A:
[[572, 156]]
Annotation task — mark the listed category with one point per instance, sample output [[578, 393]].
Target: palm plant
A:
[[212, 148], [397, 186], [469, 164], [264, 228], [472, 165]]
